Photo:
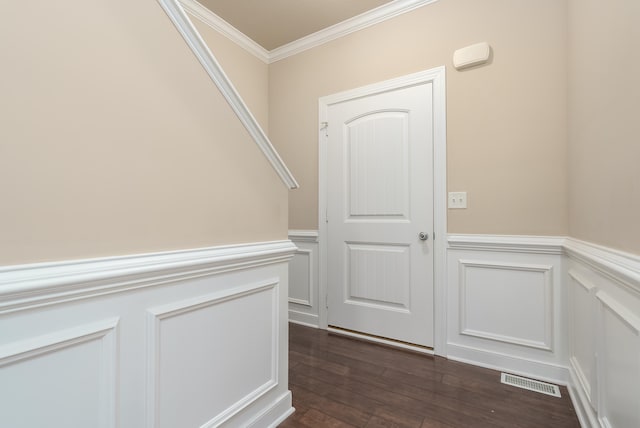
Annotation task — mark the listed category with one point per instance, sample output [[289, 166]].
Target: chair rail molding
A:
[[619, 266], [34, 285], [509, 243], [206, 58]]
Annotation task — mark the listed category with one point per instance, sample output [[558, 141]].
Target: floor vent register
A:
[[530, 384]]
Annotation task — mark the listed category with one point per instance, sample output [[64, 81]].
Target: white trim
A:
[[580, 280], [199, 48], [303, 235], [341, 29], [437, 77], [30, 286], [580, 378], [546, 270], [226, 29], [624, 268], [309, 303], [351, 25], [528, 367], [631, 320], [279, 410], [508, 243], [584, 411]]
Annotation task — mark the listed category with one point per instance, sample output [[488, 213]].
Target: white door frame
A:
[[436, 76]]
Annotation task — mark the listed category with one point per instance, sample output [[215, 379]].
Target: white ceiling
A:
[[273, 23]]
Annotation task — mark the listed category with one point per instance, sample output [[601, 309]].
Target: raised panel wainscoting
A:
[[304, 297], [185, 338], [505, 304], [550, 308], [604, 333]]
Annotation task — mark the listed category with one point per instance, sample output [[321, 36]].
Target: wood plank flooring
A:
[[340, 382]]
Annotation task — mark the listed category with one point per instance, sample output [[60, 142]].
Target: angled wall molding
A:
[[28, 286], [351, 25], [199, 48]]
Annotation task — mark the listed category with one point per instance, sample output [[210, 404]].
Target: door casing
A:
[[436, 77]]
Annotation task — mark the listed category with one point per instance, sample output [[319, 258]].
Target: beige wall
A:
[[506, 121], [113, 140], [604, 122], [249, 75]]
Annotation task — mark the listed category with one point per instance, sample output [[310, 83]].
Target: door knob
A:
[[423, 236]]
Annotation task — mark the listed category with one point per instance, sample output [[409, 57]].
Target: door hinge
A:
[[324, 126]]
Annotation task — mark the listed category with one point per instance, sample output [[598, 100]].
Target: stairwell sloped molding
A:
[[178, 16]]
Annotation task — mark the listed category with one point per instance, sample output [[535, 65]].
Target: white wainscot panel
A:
[[507, 302], [301, 281], [304, 299], [212, 356], [619, 364], [582, 327], [66, 378]]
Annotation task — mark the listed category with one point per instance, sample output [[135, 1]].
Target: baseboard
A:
[[308, 320], [279, 410], [584, 411], [497, 361]]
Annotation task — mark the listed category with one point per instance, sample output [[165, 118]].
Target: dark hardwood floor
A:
[[342, 382]]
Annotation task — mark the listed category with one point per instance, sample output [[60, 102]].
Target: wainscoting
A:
[[604, 334], [304, 297], [556, 309], [187, 338], [505, 304], [550, 308]]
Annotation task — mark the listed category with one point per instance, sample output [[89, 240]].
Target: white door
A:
[[379, 202]]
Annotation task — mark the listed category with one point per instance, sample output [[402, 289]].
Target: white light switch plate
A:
[[457, 200]]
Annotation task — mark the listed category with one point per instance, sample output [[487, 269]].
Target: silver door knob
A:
[[423, 236]]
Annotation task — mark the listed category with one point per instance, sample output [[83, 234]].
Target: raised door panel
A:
[[377, 151]]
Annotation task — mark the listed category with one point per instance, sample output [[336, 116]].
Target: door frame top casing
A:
[[435, 77]]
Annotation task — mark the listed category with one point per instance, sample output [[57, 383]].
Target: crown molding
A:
[[200, 49], [223, 27], [351, 25]]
